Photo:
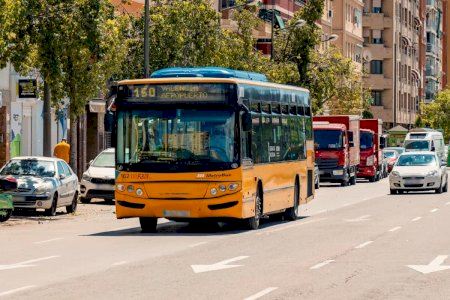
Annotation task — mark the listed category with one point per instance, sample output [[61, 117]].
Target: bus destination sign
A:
[[178, 92]]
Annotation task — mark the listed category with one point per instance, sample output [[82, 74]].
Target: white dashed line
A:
[[48, 241], [261, 294], [364, 245], [283, 226], [395, 229], [322, 264], [416, 219], [7, 293], [197, 244], [448, 203], [119, 263], [434, 210]]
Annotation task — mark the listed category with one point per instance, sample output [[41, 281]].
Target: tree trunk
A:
[[47, 114], [73, 143]]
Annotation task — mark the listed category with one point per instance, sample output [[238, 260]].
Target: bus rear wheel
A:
[[292, 213], [148, 225], [253, 222]]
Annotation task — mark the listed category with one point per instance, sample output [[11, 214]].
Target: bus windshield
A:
[[171, 136], [366, 141], [417, 145], [328, 139]]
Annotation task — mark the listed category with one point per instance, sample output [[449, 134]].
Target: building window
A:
[[376, 67], [377, 36], [377, 98]]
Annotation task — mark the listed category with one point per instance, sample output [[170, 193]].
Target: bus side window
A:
[[266, 139], [256, 139]]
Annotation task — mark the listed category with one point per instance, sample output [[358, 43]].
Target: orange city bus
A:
[[212, 143]]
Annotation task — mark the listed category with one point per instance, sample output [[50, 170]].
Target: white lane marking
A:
[[448, 203], [416, 219], [283, 226], [221, 265], [363, 245], [322, 264], [48, 241], [395, 228], [197, 244], [434, 266], [434, 210], [26, 263], [261, 294], [119, 263], [359, 219], [7, 293]]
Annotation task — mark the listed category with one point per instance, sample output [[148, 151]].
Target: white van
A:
[[421, 139]]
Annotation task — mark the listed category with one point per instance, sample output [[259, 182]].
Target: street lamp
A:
[[299, 23], [329, 38]]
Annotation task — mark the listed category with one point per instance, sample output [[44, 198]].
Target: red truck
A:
[[372, 165], [336, 140]]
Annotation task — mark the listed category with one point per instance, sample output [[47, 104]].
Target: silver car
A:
[[43, 183]]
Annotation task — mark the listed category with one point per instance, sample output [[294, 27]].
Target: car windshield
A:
[[366, 140], [417, 145], [29, 167], [416, 160], [327, 139], [389, 154], [105, 160], [176, 136]]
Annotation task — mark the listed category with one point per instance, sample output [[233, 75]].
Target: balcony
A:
[[376, 21], [378, 82], [379, 51]]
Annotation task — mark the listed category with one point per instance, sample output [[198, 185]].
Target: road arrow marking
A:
[[322, 264], [261, 294], [48, 241], [395, 229], [221, 265], [434, 210], [364, 245], [434, 266], [26, 264], [360, 219]]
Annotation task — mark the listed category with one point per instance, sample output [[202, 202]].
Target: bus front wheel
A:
[[148, 225], [253, 222]]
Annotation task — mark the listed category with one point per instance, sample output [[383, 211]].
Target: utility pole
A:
[[146, 45], [47, 121], [272, 29]]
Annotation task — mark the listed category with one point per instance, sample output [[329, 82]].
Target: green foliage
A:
[[437, 113]]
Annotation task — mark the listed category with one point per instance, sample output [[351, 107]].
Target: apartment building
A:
[[434, 49], [392, 59], [445, 43]]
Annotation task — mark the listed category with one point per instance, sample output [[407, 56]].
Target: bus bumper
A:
[[228, 206]]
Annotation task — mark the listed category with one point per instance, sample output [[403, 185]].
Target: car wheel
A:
[[6, 215], [445, 190], [73, 206], [439, 190], [372, 179], [148, 225], [393, 192], [353, 180], [253, 222], [317, 185], [292, 213], [52, 210], [85, 200]]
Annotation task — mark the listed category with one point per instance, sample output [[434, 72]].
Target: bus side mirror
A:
[[382, 142], [246, 121], [351, 143], [433, 148]]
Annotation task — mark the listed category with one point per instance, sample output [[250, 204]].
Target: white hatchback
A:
[[418, 171], [99, 179]]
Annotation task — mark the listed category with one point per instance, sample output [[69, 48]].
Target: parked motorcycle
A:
[[6, 203]]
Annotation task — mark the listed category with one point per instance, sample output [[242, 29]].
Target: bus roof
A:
[[211, 72], [209, 80]]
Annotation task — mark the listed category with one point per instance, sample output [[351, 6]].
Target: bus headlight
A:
[[213, 191], [222, 188], [130, 188], [233, 186], [120, 187], [139, 192]]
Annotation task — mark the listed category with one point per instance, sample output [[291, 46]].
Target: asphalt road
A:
[[355, 242]]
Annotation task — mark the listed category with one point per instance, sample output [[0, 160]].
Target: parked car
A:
[[400, 150], [390, 156], [418, 171], [99, 179], [7, 184], [316, 177], [42, 183]]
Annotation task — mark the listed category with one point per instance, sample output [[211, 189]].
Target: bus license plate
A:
[[176, 213]]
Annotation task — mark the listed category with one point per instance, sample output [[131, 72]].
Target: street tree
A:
[[74, 45], [437, 113]]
